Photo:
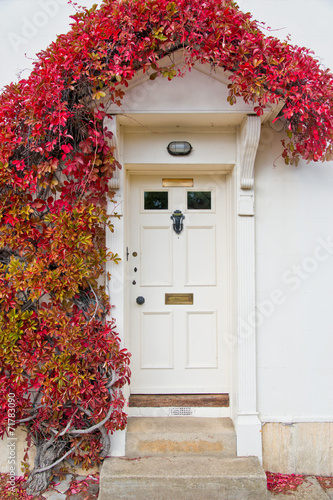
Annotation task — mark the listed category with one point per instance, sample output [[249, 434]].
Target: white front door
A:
[[177, 333]]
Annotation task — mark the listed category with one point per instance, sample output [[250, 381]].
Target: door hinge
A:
[[127, 253]]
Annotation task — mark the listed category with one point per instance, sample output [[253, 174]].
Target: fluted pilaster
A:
[[248, 425]]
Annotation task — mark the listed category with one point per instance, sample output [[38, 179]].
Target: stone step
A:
[[182, 478], [180, 436]]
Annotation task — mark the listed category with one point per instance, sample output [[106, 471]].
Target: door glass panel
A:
[[156, 200], [199, 200]]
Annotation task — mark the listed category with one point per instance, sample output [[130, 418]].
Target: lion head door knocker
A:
[[177, 218]]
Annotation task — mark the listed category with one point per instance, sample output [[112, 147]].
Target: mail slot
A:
[[179, 298]]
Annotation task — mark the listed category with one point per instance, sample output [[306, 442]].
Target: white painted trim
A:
[[118, 444], [181, 390], [113, 126], [231, 273], [294, 419], [247, 423], [250, 135], [116, 286], [196, 168], [197, 412], [248, 433]]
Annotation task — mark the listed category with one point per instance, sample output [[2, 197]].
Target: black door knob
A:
[[140, 300]]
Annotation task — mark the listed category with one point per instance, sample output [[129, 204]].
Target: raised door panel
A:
[[200, 256], [201, 344], [156, 256], [156, 340]]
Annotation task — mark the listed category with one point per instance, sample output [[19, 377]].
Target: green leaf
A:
[[161, 37]]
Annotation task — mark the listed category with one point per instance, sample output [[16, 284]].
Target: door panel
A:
[[200, 256], [201, 340], [156, 340], [178, 347], [156, 256]]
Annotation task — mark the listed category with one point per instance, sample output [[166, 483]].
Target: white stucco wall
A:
[[26, 28], [308, 22], [294, 223], [294, 254], [294, 215]]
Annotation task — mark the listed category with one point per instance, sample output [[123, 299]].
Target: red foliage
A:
[[7, 492], [326, 482], [106, 46], [85, 488], [282, 483], [60, 356]]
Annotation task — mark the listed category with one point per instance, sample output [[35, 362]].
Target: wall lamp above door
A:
[[179, 148]]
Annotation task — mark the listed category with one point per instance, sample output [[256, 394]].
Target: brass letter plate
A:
[[177, 182], [179, 298]]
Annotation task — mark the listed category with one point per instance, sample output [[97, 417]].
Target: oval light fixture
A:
[[179, 148]]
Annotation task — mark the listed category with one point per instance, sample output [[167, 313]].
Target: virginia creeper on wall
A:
[[60, 354]]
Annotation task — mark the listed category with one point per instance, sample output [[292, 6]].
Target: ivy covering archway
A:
[[61, 359]]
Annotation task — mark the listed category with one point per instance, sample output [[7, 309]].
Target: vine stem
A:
[[94, 427], [48, 467]]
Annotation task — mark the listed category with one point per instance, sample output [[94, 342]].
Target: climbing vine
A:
[[60, 353]]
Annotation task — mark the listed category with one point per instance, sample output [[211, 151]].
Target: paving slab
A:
[[309, 490], [89, 494], [64, 484], [329, 493], [54, 495]]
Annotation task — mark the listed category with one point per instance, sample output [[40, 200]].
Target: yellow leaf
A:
[[97, 95]]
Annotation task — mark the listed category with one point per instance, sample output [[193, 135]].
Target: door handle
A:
[[140, 300]]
